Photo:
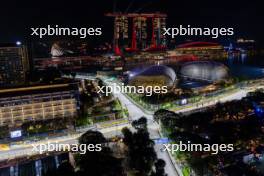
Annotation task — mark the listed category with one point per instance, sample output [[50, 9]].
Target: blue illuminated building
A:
[[258, 109]]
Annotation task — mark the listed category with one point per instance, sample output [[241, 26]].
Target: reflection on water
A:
[[247, 67]]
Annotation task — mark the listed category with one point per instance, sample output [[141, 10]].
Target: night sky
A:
[[17, 17]]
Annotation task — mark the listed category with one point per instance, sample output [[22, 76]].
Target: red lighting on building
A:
[[137, 26]]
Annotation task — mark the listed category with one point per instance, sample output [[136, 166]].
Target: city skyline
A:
[[131, 87], [243, 17]]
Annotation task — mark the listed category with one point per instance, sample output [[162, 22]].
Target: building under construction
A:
[[138, 31]]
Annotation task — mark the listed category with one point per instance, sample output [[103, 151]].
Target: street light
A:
[[18, 43]]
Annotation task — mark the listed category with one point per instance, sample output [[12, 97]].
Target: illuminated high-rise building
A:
[[14, 65], [140, 32], [38, 103], [121, 31], [158, 25], [134, 29]]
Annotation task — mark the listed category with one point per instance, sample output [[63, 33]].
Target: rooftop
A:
[[36, 89]]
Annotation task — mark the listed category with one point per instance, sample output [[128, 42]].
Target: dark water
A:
[[247, 67]]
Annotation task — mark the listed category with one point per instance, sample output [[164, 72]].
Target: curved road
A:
[[135, 113]]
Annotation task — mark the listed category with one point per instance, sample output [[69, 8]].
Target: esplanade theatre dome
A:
[[154, 75], [204, 70]]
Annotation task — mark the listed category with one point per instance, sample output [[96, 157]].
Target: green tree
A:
[[159, 168], [141, 155], [65, 169], [140, 123], [98, 163]]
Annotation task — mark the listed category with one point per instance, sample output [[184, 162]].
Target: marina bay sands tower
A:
[[138, 31]]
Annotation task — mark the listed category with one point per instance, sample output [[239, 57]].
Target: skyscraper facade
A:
[[14, 65]]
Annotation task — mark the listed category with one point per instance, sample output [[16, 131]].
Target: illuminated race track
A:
[[27, 149], [135, 112]]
